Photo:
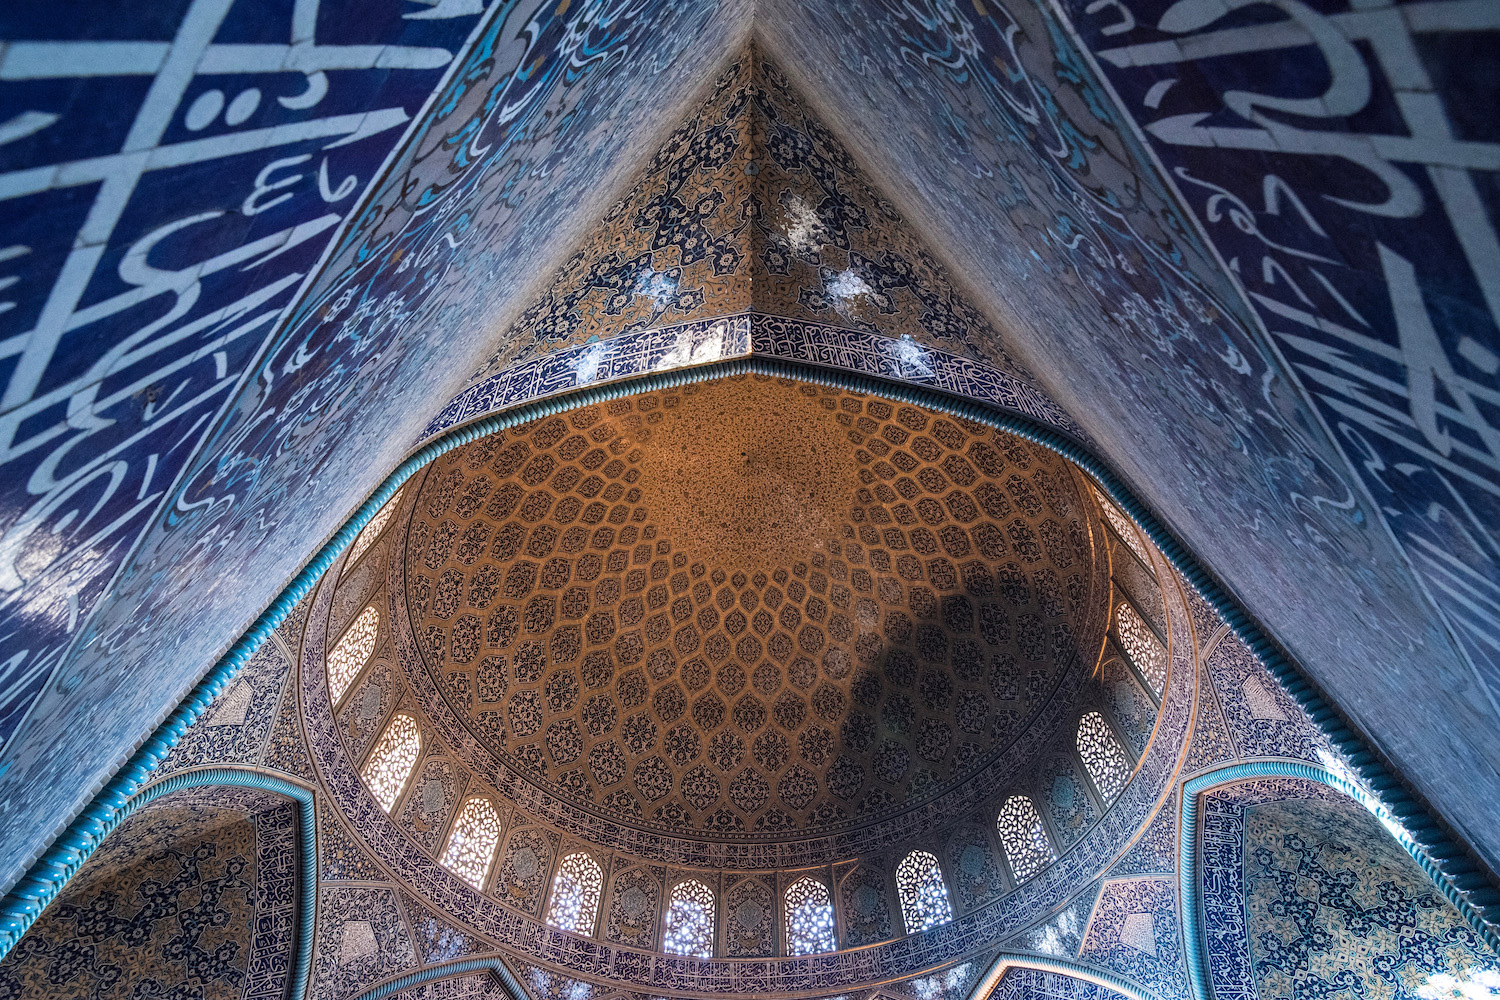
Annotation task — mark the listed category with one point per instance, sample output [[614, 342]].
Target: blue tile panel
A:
[[1294, 463], [331, 393], [1336, 157], [171, 180], [1134, 931]]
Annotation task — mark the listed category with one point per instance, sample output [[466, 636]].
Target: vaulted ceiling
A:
[[1244, 255]]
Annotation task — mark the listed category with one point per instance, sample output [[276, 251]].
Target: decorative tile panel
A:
[[1134, 931], [362, 939], [1303, 891], [228, 508]]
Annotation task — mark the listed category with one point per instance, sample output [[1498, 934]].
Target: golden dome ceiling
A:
[[753, 608]]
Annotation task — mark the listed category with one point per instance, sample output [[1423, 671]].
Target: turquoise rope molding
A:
[[493, 964], [997, 970], [307, 847], [300, 973], [1189, 880], [1441, 857]]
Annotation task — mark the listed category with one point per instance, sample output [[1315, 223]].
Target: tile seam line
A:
[[1441, 857]]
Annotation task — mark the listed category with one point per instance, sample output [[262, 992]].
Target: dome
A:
[[779, 679], [751, 610], [754, 683]]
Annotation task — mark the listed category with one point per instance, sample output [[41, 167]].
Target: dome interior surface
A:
[[755, 607]]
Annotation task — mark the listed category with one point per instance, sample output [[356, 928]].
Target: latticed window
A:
[[392, 760], [688, 928], [1102, 755], [373, 529], [1023, 837], [1123, 527], [924, 897], [1142, 647], [575, 894], [809, 917], [471, 845], [352, 652]]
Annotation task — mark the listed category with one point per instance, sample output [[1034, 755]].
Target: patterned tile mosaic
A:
[[1025, 984], [316, 406], [1363, 237], [1061, 935], [477, 987], [1156, 851], [193, 896], [1211, 741], [236, 727], [362, 939], [752, 607], [173, 179], [1114, 257], [151, 290], [185, 425], [1305, 893], [437, 939], [752, 230], [633, 915], [1263, 720], [1134, 931]]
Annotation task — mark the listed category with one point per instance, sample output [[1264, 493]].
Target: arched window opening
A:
[[472, 843], [392, 761], [1142, 647], [924, 897], [688, 928], [373, 529], [809, 917], [1123, 528], [1102, 755], [575, 894], [352, 652], [1023, 837]]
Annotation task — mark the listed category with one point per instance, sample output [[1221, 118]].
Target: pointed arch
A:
[[1103, 756], [472, 841], [688, 926], [987, 985], [575, 894], [1118, 521], [1338, 776], [51, 872], [1024, 838], [392, 761], [352, 652], [809, 917], [924, 896]]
